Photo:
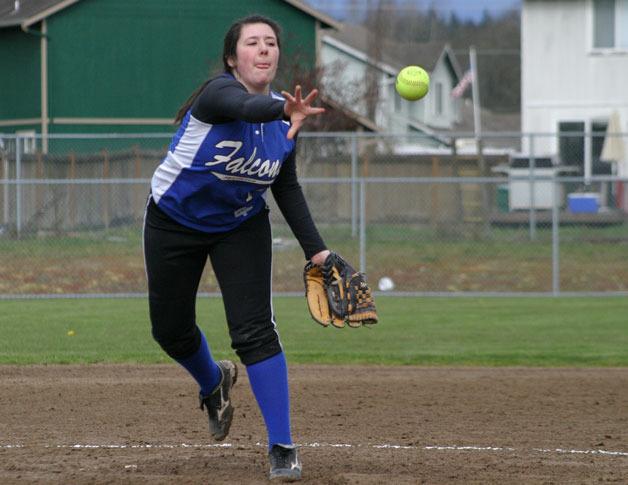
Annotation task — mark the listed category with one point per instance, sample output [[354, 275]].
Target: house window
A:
[[571, 145], [438, 101], [29, 141], [571, 142], [598, 130], [397, 99], [610, 24]]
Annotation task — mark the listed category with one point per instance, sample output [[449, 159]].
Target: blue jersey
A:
[[229, 149]]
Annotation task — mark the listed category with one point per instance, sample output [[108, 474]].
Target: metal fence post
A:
[[354, 186], [555, 240], [587, 154], [363, 225], [18, 186], [5, 188]]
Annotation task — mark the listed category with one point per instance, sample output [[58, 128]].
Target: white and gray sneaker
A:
[[218, 403], [285, 465]]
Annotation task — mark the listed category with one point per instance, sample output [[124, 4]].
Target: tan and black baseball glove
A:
[[337, 294]]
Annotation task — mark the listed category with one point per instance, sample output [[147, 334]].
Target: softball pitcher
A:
[[208, 199]]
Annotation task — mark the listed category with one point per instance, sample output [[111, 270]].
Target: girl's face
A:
[[257, 56]]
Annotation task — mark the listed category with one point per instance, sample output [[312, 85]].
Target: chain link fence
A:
[[499, 217]]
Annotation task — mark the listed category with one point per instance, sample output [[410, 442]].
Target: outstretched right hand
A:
[[299, 109]]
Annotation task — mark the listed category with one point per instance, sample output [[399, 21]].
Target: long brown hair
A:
[[229, 50]]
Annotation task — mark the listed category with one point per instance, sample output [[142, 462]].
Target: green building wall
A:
[[138, 59], [20, 94], [131, 59]]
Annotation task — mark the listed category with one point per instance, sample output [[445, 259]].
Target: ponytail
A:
[[188, 104]]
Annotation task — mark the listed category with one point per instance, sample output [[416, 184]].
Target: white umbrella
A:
[[614, 148]]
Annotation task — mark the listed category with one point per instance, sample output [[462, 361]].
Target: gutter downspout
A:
[[43, 48], [44, 86]]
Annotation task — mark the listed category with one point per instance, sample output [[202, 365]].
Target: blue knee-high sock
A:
[[269, 382], [203, 368]]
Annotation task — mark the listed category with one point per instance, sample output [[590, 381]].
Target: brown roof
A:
[[29, 12], [491, 120], [394, 53]]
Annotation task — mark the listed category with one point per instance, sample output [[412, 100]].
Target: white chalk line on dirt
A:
[[558, 451]]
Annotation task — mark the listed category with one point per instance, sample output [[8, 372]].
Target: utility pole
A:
[[477, 125], [477, 121]]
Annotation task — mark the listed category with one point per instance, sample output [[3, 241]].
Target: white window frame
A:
[[591, 23], [29, 141], [588, 140]]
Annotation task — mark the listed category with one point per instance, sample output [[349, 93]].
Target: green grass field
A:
[[419, 331]]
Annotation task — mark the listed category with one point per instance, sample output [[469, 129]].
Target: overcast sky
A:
[[465, 9]]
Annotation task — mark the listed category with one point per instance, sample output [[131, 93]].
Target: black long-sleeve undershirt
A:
[[291, 201], [223, 100]]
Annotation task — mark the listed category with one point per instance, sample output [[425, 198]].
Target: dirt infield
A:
[[355, 425]]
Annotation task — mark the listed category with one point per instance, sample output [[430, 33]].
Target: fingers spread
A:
[[310, 97], [288, 96], [299, 108]]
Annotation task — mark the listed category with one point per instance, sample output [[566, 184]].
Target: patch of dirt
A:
[[397, 425]]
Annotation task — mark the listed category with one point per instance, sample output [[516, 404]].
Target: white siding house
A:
[[574, 76], [347, 66]]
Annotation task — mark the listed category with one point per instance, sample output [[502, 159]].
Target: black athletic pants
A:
[[175, 257]]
